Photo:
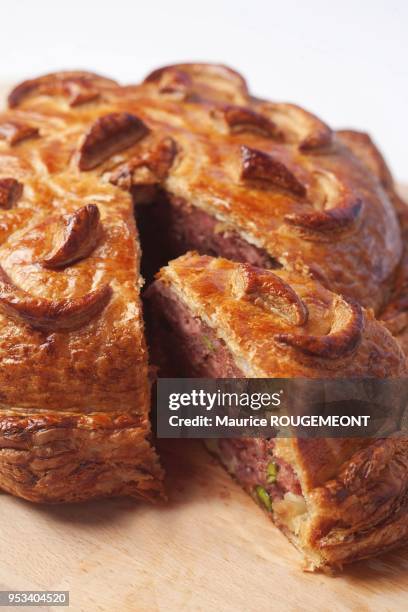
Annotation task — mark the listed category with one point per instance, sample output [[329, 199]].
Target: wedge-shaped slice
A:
[[336, 499]]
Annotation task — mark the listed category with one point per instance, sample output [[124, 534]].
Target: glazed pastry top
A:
[[71, 334], [272, 172], [281, 323]]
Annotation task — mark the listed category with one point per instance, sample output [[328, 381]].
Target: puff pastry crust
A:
[[75, 393], [395, 312], [351, 494], [77, 151], [272, 174]]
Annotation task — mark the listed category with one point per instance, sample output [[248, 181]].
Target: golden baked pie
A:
[[311, 224]]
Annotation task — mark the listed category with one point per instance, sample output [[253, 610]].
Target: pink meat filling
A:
[[181, 344], [194, 229], [250, 459], [183, 227]]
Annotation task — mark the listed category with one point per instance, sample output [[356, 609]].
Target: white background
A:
[[345, 60]]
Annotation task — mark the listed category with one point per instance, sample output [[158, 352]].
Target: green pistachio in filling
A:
[[263, 497], [272, 472], [207, 343]]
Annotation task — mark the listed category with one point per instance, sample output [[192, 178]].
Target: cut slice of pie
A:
[[338, 499]]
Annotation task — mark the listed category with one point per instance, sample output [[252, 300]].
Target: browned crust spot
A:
[[188, 80], [107, 136], [338, 218], [260, 166], [14, 132], [300, 126], [270, 292], [241, 119], [80, 233], [11, 191], [340, 206], [51, 315], [79, 87], [343, 339], [173, 82], [149, 168]]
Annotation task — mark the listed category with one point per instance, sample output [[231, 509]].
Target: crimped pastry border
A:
[[70, 457]]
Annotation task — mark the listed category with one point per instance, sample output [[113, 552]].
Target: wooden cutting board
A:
[[211, 549]]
